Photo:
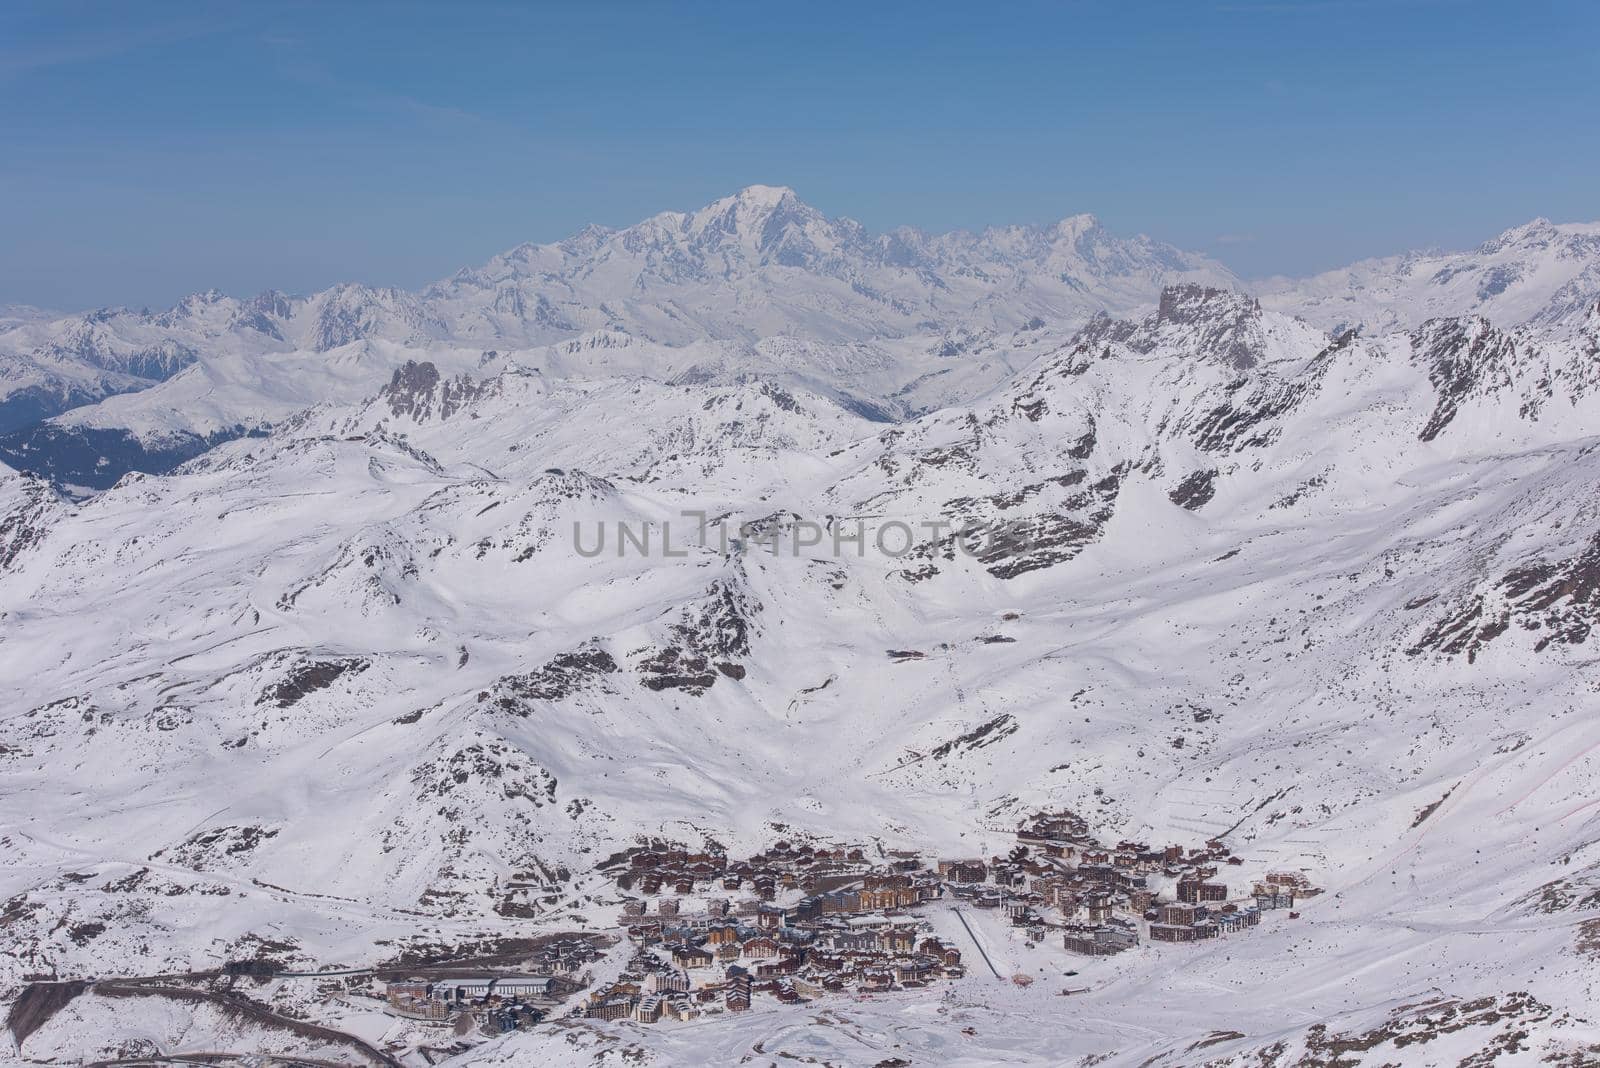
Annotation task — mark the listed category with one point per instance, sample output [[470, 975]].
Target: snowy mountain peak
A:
[[769, 224], [765, 196], [1081, 223], [1188, 304], [1539, 272]]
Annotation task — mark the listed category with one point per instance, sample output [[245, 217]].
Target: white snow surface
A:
[[1335, 596]]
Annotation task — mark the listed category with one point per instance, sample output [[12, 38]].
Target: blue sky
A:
[[150, 150]]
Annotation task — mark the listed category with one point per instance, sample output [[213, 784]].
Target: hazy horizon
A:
[[164, 149]]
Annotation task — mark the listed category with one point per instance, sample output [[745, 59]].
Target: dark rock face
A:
[[564, 675], [1228, 323], [417, 391], [519, 778], [1505, 1018], [1101, 331], [27, 522], [781, 397], [158, 362], [1560, 601], [1579, 892], [1465, 358], [1254, 404], [1194, 492], [988, 733], [708, 643], [217, 847], [309, 676], [1214, 324], [1037, 542], [1008, 547]]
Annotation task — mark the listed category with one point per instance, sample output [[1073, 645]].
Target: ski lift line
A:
[[978, 945]]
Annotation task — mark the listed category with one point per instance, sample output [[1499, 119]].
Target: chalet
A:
[[1005, 874], [963, 871], [687, 956], [877, 979], [787, 965], [722, 933], [760, 947]]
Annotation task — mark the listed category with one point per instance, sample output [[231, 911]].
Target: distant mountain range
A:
[[758, 282]]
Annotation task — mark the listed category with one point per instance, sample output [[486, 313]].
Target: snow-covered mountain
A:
[[755, 283], [758, 282], [764, 263], [356, 682], [1540, 273]]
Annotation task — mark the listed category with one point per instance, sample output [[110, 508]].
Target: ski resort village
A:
[[699, 933], [800, 922]]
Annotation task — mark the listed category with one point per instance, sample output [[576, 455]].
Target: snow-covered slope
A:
[[743, 524], [1541, 273], [362, 683]]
